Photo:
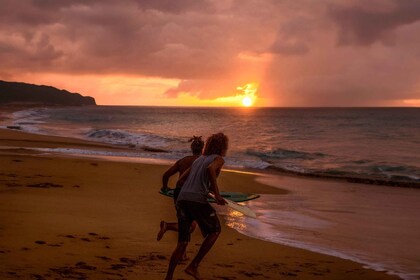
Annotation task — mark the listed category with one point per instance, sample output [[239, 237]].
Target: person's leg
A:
[[164, 226], [184, 225], [175, 258], [209, 241], [209, 223], [193, 226]]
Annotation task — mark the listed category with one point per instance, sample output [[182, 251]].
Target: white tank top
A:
[[197, 185]]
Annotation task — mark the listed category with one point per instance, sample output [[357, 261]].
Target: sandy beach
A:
[[84, 218], [308, 110]]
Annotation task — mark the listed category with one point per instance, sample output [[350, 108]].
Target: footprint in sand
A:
[[12, 273], [153, 257], [118, 266], [104, 237], [45, 185], [37, 277], [55, 245], [105, 258], [68, 272], [250, 274], [112, 273], [288, 274], [94, 234], [13, 185], [83, 265]]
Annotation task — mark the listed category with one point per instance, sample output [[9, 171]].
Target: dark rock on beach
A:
[[15, 127], [153, 150]]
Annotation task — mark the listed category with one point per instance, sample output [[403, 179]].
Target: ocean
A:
[[375, 225], [371, 144]]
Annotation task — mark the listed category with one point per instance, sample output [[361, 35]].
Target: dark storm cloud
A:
[[177, 39], [362, 26], [293, 37], [179, 6], [213, 46]]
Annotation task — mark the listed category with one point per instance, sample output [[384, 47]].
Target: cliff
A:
[[22, 93]]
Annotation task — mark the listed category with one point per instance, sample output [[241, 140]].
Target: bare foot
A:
[[193, 272], [184, 257], [162, 230]]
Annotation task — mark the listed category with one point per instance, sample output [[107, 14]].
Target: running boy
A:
[[192, 203]]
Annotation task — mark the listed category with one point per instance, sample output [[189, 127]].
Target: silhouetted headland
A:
[[29, 94]]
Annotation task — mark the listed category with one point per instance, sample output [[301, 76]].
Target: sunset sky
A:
[[216, 53]]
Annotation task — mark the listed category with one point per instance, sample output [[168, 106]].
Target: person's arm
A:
[[214, 170], [183, 177], [165, 178]]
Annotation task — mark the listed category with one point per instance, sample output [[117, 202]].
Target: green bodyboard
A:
[[234, 196]]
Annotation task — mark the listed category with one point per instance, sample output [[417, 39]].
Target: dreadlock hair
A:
[[197, 145], [216, 144]]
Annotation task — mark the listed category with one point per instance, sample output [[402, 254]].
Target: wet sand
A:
[[80, 218]]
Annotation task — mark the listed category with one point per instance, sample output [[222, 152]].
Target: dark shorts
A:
[[202, 213], [177, 190]]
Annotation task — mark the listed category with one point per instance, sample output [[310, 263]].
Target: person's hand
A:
[[220, 200]]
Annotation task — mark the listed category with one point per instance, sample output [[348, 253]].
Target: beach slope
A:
[[84, 218]]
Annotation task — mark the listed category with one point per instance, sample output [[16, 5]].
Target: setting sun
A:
[[247, 94], [247, 101]]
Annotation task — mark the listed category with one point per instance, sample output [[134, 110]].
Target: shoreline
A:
[[405, 181], [135, 153], [355, 213], [350, 179], [332, 266]]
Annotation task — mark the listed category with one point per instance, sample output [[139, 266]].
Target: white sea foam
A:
[[347, 221], [238, 162], [31, 116], [28, 120], [120, 136]]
